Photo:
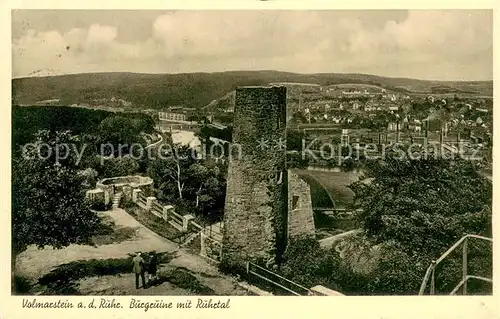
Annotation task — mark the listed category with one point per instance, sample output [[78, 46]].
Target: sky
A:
[[429, 45]]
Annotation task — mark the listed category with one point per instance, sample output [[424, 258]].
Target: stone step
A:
[[191, 238], [116, 200]]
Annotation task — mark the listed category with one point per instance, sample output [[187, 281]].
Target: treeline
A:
[[193, 89], [28, 120]]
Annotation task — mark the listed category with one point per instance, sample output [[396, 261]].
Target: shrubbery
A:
[[99, 205], [183, 279]]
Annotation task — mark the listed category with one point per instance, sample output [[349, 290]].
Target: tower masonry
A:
[[258, 196]]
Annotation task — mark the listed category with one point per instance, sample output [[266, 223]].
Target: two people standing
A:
[[140, 266]]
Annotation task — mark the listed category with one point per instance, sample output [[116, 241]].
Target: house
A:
[[336, 120], [392, 126], [393, 107], [171, 116]]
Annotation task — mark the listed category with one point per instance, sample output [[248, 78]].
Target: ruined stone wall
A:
[[300, 212], [256, 198]]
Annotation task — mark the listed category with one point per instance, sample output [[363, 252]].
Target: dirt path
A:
[[34, 263]]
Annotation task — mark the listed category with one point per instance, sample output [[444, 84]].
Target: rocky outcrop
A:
[[357, 252]]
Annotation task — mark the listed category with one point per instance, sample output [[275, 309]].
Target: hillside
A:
[[199, 89]]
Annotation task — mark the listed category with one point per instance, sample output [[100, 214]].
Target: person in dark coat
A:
[[138, 269], [153, 267]]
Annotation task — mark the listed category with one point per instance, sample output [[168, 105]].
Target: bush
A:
[[116, 236], [99, 205], [306, 263], [120, 166], [126, 204], [21, 285], [183, 279], [154, 223]]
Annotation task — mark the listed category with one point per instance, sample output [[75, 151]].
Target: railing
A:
[[176, 218], [195, 226], [277, 280], [431, 271], [214, 233], [211, 247], [158, 207], [141, 199]]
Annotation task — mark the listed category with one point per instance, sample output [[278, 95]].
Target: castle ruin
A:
[[265, 203]]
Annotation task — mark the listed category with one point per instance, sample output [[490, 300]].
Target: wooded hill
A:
[[199, 89]]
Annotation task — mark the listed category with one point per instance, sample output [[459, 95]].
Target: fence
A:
[[211, 237], [141, 199], [214, 231], [157, 209], [176, 218], [167, 213], [431, 271], [210, 247], [195, 227], [276, 280]]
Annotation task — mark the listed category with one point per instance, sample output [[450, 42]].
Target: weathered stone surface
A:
[[256, 199], [300, 212], [356, 251], [95, 195]]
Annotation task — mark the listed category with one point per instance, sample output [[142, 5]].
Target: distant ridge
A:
[[200, 89]]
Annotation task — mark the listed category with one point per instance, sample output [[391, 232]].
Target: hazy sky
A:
[[441, 45]]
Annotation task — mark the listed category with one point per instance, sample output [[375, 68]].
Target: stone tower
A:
[[255, 217]]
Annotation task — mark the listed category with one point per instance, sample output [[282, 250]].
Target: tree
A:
[[48, 198], [119, 166], [184, 179], [208, 186], [169, 171], [89, 177], [122, 133], [420, 208], [305, 262], [425, 205]]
